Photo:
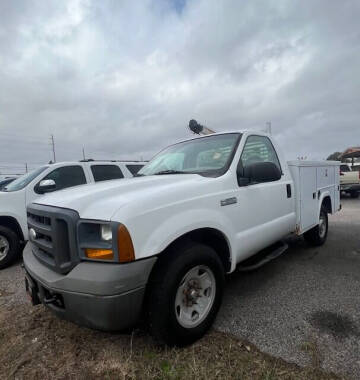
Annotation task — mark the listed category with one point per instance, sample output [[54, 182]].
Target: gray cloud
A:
[[124, 78]]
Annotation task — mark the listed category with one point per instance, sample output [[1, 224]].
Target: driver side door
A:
[[265, 210]]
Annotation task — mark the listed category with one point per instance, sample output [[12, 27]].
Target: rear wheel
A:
[[10, 247], [318, 234], [185, 294], [354, 194]]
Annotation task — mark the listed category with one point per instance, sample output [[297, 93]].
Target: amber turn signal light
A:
[[125, 245], [100, 254]]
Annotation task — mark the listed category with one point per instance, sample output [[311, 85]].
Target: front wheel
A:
[[10, 247], [318, 234], [185, 294]]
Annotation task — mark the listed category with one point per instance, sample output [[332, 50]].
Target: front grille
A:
[[54, 243]]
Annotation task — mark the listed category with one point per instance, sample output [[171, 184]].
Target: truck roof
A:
[[62, 163], [243, 131]]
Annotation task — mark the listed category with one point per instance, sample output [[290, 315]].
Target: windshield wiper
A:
[[170, 172]]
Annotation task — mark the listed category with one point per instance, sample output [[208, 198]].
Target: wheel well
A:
[[211, 237], [12, 223], [327, 204]]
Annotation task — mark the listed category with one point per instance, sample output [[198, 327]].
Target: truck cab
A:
[[15, 196], [159, 245]]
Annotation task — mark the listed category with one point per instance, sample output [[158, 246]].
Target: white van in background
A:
[[48, 178]]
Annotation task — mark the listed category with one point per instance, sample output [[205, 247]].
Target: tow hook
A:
[[54, 300]]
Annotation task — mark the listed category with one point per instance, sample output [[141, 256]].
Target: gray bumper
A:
[[98, 295]]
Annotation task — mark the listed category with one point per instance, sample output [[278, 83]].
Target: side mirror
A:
[[46, 185], [259, 172]]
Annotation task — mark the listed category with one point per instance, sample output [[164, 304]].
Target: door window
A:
[[106, 172], [259, 149], [134, 168], [67, 176]]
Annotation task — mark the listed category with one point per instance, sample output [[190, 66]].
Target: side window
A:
[[259, 149], [106, 172], [134, 168], [67, 176], [344, 168]]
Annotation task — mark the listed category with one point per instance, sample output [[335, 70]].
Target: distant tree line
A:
[[335, 156]]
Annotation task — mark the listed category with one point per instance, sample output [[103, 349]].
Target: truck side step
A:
[[263, 257]]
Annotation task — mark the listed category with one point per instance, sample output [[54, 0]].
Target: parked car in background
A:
[[48, 178], [6, 181], [160, 244], [349, 180]]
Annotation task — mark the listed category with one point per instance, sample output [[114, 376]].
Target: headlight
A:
[[105, 232], [105, 241]]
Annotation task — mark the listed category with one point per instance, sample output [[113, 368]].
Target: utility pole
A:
[[268, 124], [53, 147], [83, 150]]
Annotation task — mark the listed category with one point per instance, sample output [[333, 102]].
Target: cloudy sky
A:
[[123, 78]]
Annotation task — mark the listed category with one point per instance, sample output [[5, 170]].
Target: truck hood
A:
[[12, 202], [102, 200]]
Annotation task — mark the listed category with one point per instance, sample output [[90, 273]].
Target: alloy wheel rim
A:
[[4, 247], [195, 296]]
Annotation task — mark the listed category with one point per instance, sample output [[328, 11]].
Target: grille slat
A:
[[44, 230], [55, 236], [45, 246]]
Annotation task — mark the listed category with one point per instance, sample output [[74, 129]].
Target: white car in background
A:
[[48, 178]]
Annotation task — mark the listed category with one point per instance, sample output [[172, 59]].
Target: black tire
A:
[[172, 267], [316, 236], [354, 194], [14, 250]]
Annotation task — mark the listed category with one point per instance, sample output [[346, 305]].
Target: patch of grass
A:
[[36, 344], [311, 348]]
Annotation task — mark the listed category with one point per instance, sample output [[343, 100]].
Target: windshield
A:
[[209, 156], [24, 180]]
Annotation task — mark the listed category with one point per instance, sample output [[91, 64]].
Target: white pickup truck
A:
[[349, 180], [48, 178], [159, 245]]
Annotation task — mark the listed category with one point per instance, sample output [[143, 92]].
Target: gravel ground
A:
[[306, 301], [12, 289], [302, 307]]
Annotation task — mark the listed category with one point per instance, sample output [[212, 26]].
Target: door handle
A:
[[288, 190]]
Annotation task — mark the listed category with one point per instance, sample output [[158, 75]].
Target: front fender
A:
[[177, 225]]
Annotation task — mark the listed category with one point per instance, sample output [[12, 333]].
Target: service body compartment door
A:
[[308, 198], [336, 189], [325, 176]]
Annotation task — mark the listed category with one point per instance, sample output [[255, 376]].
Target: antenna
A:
[[199, 129], [53, 147], [268, 127]]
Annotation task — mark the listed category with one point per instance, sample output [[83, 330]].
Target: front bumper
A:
[[103, 296], [351, 187]]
